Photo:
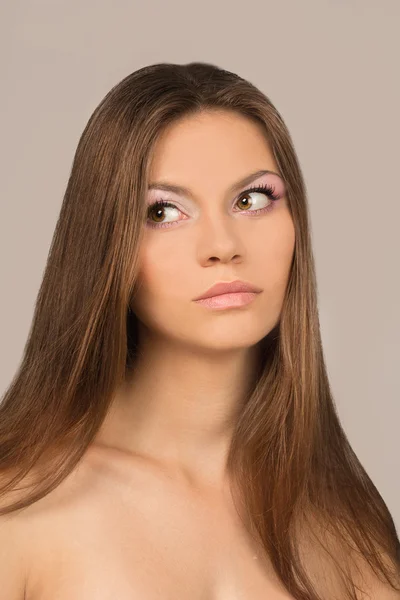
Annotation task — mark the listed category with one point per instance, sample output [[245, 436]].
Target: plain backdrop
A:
[[332, 70]]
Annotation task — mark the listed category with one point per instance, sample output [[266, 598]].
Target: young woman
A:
[[171, 432]]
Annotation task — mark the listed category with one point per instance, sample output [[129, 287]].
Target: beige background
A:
[[332, 70]]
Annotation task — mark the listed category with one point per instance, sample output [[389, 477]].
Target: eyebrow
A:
[[178, 189]]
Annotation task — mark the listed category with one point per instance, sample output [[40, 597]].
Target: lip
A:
[[229, 287]]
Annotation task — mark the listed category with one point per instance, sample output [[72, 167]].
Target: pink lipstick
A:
[[228, 295]]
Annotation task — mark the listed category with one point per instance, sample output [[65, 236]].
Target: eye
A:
[[261, 190], [158, 207]]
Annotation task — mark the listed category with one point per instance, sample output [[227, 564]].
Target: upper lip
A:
[[229, 287]]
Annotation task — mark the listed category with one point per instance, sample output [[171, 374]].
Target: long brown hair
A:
[[296, 475]]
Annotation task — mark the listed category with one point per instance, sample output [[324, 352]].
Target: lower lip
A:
[[228, 300]]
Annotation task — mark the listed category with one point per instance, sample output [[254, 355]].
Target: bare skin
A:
[[119, 528], [149, 514]]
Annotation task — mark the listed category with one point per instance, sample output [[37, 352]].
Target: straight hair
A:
[[298, 486]]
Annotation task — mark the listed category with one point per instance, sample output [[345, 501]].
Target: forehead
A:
[[213, 144]]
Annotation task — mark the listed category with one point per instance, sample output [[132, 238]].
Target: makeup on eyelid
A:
[[273, 191]]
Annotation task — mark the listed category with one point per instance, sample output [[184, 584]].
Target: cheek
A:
[[275, 247], [163, 287], [161, 267]]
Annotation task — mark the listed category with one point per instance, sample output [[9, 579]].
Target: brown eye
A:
[[157, 212], [245, 200]]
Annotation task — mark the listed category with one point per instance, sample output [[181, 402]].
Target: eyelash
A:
[[266, 189]]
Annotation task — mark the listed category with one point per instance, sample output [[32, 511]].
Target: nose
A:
[[219, 241]]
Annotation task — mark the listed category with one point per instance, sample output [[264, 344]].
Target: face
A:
[[213, 230]]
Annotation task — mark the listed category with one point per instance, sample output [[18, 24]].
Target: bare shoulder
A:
[[13, 575], [24, 533], [66, 527], [13, 564]]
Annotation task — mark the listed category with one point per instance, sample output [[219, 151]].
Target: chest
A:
[[149, 547]]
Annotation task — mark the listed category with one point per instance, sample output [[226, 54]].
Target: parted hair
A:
[[298, 485]]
